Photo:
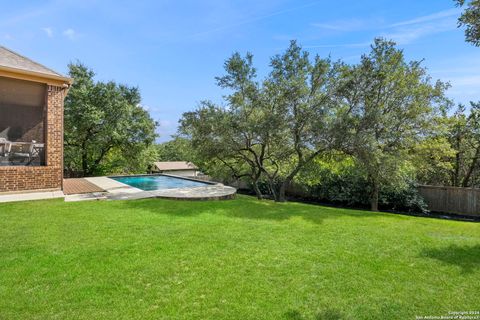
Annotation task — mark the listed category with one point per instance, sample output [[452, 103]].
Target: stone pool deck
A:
[[115, 190]]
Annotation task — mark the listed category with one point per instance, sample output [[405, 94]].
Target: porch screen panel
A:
[[22, 122]]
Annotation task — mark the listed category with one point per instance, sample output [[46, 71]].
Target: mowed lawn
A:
[[237, 259]]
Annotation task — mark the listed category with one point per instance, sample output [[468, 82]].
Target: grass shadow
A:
[[465, 257], [247, 207], [329, 314], [293, 315]]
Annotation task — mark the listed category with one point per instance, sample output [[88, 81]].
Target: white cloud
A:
[[48, 31], [342, 25], [250, 20], [406, 35], [70, 34], [402, 32], [430, 17], [405, 32]]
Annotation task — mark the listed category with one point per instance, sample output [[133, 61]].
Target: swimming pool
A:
[[158, 182]]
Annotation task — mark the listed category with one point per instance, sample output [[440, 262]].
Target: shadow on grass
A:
[[249, 208], [329, 314], [465, 257]]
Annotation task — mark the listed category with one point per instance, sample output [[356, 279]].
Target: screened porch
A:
[[22, 122]]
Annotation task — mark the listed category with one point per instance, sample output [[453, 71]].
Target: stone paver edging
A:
[[27, 196]]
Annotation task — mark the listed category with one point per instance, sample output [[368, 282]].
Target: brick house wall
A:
[[50, 176]]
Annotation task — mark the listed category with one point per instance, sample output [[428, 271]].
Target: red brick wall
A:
[[17, 178]]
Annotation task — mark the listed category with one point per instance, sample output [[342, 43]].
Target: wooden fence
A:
[[464, 201]]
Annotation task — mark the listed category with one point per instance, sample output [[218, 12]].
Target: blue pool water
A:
[[148, 183]]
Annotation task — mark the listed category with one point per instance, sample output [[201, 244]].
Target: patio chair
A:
[[26, 152], [5, 147]]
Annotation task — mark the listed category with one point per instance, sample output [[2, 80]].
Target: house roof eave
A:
[[28, 75]]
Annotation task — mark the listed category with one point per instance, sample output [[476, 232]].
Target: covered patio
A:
[[22, 123], [31, 124]]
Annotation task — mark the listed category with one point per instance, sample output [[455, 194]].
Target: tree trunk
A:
[[472, 166], [84, 163], [258, 193], [273, 189], [281, 192], [275, 194], [374, 195], [374, 199], [278, 191], [456, 172], [283, 186]]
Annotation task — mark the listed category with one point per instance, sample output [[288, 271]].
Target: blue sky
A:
[[172, 50]]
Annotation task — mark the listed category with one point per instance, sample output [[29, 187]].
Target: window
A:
[[22, 122]]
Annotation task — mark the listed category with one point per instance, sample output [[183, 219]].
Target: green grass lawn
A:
[[238, 259]]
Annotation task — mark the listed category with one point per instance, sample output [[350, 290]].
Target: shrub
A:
[[340, 181]]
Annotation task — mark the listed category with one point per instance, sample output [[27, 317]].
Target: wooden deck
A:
[[79, 186]]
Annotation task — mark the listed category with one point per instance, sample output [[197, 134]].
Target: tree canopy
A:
[[177, 149], [470, 19], [104, 121], [392, 104], [271, 130]]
